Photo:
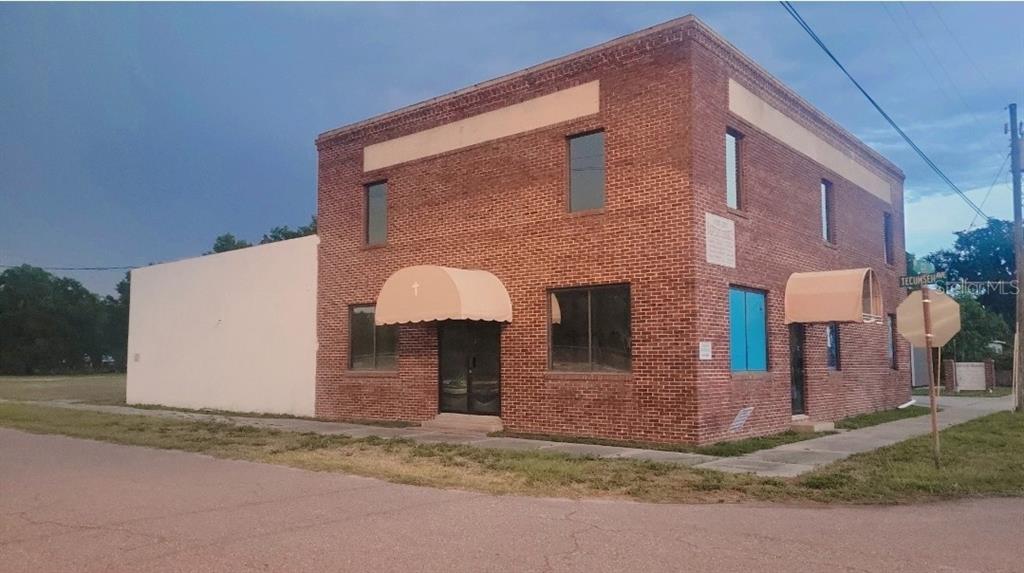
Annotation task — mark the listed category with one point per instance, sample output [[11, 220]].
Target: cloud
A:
[[932, 220]]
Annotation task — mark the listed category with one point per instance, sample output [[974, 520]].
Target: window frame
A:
[[828, 233], [837, 338], [893, 347], [549, 295], [366, 212], [737, 136], [569, 169], [376, 334], [767, 345], [888, 246]]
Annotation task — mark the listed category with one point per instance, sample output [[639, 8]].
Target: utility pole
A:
[[1018, 254]]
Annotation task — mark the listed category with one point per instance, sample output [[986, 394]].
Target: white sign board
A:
[[704, 350], [720, 240]]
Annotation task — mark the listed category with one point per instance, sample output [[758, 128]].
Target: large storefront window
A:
[[590, 329], [371, 347]]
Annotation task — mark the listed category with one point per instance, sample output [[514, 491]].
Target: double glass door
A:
[[469, 369]]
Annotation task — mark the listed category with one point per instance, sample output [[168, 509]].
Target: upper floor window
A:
[[590, 329], [826, 211], [586, 171], [832, 346], [748, 330], [887, 237], [376, 223], [732, 168], [371, 347]]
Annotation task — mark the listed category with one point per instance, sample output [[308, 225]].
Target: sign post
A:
[[929, 320], [933, 401]]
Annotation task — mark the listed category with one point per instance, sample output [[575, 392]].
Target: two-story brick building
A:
[[611, 244]]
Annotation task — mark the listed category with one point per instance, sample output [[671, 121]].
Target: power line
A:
[[990, 188], [807, 28], [903, 33], [938, 60], [71, 268], [963, 50]]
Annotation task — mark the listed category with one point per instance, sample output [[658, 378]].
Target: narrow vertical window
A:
[[376, 223], [371, 347], [732, 168], [748, 330], [832, 346], [826, 211], [586, 171], [891, 351], [887, 236]]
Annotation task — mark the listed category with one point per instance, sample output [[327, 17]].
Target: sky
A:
[[136, 133]]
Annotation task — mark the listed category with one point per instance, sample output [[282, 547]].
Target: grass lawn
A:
[[981, 457], [94, 389], [723, 449], [997, 392], [875, 418]]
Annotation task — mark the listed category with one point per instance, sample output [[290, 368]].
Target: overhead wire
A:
[[928, 161]]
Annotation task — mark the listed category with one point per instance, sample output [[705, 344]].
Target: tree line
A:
[[51, 324], [54, 325], [983, 257]]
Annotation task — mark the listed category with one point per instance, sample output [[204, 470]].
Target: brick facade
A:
[[501, 206]]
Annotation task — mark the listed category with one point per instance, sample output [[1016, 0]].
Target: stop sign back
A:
[[945, 318]]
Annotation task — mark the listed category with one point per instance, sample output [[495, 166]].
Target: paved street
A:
[[74, 505]]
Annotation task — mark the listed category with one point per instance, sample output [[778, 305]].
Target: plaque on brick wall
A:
[[720, 240]]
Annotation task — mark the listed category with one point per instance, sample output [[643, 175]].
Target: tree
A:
[[285, 233], [979, 327], [982, 255], [228, 242], [115, 327], [48, 323]]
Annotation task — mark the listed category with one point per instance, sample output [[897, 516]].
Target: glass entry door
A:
[[469, 368], [797, 371]]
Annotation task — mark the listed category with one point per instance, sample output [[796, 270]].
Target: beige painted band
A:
[[759, 113], [564, 105]]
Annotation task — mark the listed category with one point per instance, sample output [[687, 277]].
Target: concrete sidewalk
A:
[[797, 458], [788, 460]]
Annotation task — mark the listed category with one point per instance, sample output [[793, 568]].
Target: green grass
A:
[[982, 457], [94, 389], [997, 392], [722, 449], [875, 418]]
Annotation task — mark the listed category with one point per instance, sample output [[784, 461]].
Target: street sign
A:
[[922, 279], [945, 318]]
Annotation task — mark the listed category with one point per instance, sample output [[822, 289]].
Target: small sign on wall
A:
[[704, 350], [741, 419], [720, 240]]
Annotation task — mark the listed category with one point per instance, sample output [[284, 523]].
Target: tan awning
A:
[[426, 292], [849, 295]]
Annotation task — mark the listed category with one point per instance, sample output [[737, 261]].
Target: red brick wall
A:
[[502, 206], [778, 232]]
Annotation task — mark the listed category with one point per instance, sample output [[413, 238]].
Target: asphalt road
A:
[[75, 505]]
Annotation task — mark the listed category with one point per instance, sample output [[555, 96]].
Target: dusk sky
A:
[[132, 134]]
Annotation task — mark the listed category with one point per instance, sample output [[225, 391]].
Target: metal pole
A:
[[926, 307], [1018, 246]]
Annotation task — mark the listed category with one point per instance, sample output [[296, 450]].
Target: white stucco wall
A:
[[231, 331]]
